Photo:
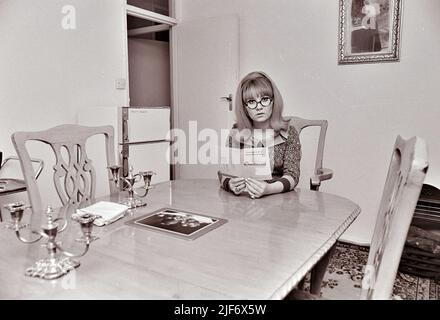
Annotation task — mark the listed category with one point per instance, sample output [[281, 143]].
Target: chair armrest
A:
[[324, 174], [35, 160]]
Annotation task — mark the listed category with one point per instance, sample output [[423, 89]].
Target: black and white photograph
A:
[[188, 225], [369, 30], [220, 158]]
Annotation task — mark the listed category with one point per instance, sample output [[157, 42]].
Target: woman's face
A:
[[260, 108]]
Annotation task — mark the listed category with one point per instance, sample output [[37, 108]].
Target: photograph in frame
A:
[[369, 31], [178, 223]]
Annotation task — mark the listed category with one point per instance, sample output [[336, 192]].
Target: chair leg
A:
[[318, 272], [300, 285]]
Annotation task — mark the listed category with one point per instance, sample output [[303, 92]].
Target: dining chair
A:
[[320, 173], [404, 181], [9, 185], [406, 173], [74, 175]]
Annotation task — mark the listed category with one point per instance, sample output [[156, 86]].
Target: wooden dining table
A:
[[263, 251]]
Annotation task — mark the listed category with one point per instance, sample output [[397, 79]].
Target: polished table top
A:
[[262, 252]]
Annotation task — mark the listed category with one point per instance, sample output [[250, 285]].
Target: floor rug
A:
[[345, 271]]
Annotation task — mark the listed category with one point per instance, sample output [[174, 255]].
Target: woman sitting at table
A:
[[259, 105]]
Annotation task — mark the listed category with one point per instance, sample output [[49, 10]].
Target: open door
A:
[[207, 75]]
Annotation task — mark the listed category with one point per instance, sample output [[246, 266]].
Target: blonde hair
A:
[[258, 84]]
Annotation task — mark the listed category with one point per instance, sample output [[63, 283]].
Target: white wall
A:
[[295, 42], [47, 73]]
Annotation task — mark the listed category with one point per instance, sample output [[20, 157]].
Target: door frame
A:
[[175, 10], [150, 15]]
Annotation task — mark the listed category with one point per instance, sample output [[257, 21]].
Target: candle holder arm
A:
[[64, 225], [73, 255], [20, 237], [146, 189]]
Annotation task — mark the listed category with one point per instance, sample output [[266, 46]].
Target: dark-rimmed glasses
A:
[[252, 103]]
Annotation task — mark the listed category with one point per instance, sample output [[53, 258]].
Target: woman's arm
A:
[[224, 180], [292, 159], [231, 184], [258, 189], [284, 184]]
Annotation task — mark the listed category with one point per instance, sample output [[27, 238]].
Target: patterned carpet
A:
[[344, 276]]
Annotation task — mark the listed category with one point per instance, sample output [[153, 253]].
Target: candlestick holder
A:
[[59, 261], [127, 183]]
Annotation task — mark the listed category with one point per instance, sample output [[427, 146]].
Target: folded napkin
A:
[[108, 211]]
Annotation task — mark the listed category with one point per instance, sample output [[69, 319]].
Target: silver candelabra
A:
[[127, 183], [59, 261]]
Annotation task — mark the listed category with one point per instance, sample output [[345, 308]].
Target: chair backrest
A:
[[406, 173], [320, 173], [74, 177]]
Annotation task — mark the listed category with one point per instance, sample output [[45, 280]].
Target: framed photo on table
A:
[[369, 31], [178, 223]]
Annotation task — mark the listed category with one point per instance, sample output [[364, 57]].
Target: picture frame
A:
[[178, 223], [369, 31]]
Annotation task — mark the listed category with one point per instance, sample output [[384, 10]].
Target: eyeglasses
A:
[[264, 101]]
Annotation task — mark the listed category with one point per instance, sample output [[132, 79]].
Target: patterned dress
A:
[[285, 155]]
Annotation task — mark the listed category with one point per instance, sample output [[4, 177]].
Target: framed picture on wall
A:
[[369, 31]]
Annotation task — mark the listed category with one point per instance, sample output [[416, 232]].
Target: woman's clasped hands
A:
[[255, 188]]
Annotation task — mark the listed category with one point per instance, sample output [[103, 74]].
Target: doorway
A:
[[148, 52], [149, 88]]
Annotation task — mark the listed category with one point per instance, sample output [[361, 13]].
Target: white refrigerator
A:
[[140, 140]]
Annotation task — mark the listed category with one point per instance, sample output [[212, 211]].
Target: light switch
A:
[[121, 83]]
